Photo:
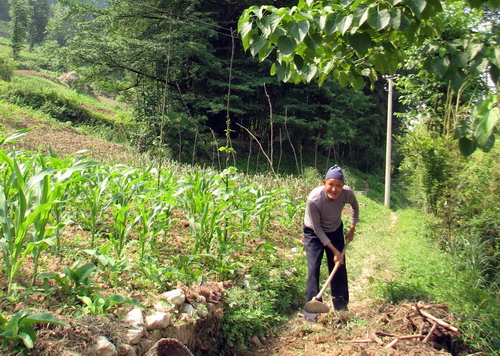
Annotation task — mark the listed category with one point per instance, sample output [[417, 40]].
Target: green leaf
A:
[[245, 29], [360, 16], [485, 125], [27, 340], [416, 6], [299, 30], [489, 144], [265, 26], [43, 318], [281, 72], [494, 57], [343, 78], [478, 65], [245, 40], [378, 20], [313, 42], [265, 51], [286, 45], [344, 22], [396, 18], [466, 146], [440, 66], [256, 44], [460, 60], [309, 71], [331, 24], [357, 82], [361, 43], [299, 61], [473, 49]]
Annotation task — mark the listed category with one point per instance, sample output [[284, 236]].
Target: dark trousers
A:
[[314, 252]]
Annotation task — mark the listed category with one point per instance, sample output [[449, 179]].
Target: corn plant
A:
[[19, 327], [123, 226], [110, 265], [20, 211], [94, 200], [48, 187], [158, 273], [152, 220], [97, 304], [126, 183], [264, 207], [74, 279]]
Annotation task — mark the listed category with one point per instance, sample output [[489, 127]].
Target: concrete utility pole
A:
[[388, 145]]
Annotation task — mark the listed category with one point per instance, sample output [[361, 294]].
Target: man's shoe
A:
[[341, 308]]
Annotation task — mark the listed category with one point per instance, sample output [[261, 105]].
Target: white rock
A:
[[163, 306], [187, 309], [104, 347], [175, 297], [134, 335], [135, 317], [157, 321]]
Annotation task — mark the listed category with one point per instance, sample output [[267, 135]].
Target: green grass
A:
[[423, 272]]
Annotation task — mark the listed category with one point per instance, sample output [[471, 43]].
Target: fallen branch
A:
[[376, 338], [436, 320], [426, 339], [392, 343]]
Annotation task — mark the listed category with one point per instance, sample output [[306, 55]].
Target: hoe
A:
[[314, 305]]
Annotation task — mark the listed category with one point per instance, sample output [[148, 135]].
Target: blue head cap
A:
[[335, 172]]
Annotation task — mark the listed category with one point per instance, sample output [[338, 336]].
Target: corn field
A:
[[116, 223]]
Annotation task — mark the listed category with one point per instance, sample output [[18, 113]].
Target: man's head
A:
[[334, 182]]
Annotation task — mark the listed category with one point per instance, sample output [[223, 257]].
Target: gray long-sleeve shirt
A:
[[324, 214]]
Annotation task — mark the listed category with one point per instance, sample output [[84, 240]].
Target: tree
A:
[[20, 14], [352, 40], [39, 20]]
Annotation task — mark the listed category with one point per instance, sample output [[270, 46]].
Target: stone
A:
[[175, 297], [135, 317], [163, 306], [157, 321], [104, 347], [134, 335], [187, 309]]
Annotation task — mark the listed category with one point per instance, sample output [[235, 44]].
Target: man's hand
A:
[[338, 257], [350, 234]]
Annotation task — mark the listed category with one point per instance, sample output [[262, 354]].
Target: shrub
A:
[[7, 66]]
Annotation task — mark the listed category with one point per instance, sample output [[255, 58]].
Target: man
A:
[[323, 231]]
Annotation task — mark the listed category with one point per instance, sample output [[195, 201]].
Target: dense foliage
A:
[[182, 66]]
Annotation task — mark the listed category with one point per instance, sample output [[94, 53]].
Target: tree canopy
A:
[[353, 40]]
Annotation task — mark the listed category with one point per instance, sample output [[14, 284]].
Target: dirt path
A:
[[335, 332]]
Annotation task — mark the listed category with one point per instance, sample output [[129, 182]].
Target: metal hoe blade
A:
[[315, 306]]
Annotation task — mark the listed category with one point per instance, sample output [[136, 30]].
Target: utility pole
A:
[[388, 145]]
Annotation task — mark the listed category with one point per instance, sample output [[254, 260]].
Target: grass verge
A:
[[423, 272]]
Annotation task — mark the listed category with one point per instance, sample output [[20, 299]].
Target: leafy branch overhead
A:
[[354, 40]]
